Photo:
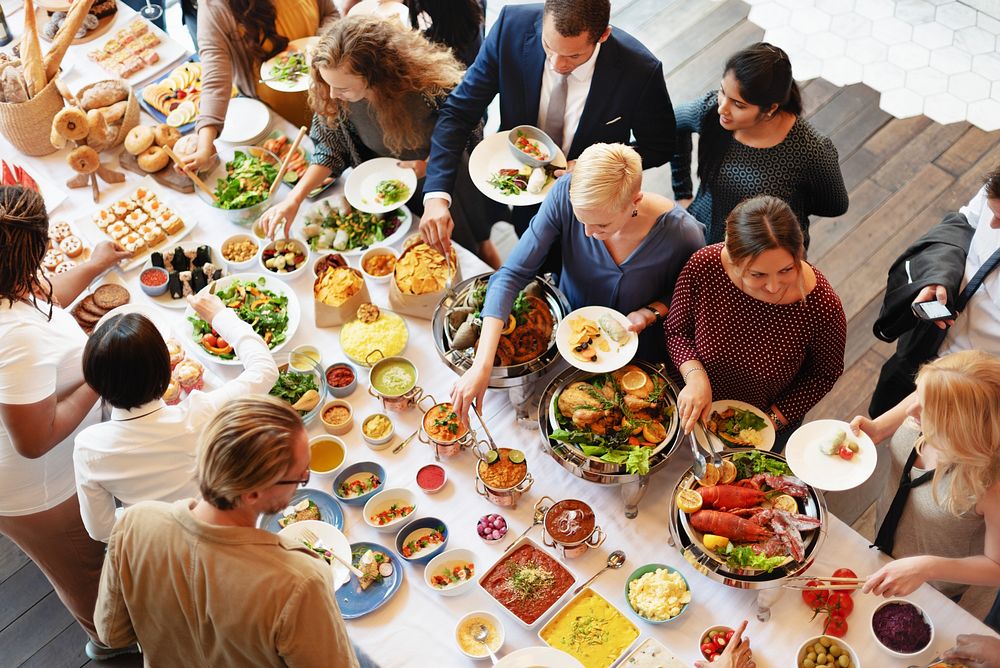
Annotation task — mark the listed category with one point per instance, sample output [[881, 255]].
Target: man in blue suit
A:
[[561, 68]]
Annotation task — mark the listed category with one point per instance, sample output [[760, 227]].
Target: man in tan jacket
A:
[[195, 584]]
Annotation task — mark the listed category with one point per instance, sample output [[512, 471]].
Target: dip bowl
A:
[[326, 456], [501, 481], [360, 471], [652, 568], [332, 372], [383, 502], [537, 136], [441, 429], [570, 527], [333, 409], [466, 628], [447, 575], [881, 643], [413, 543], [393, 381], [807, 647]]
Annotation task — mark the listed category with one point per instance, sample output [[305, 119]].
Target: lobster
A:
[[730, 497], [729, 526]]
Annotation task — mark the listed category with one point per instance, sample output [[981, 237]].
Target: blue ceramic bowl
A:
[[649, 568], [354, 471], [414, 530]]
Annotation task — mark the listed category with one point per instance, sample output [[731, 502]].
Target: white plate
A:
[[359, 189], [398, 235], [302, 83], [767, 434], [272, 283], [532, 657], [246, 120], [169, 50], [165, 300], [829, 472], [333, 539], [618, 356], [493, 154]]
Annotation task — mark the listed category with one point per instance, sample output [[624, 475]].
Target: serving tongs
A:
[[801, 583], [709, 435], [489, 437]]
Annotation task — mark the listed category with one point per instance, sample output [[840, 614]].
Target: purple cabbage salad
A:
[[901, 627]]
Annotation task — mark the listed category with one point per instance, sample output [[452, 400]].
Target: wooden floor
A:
[[902, 177]]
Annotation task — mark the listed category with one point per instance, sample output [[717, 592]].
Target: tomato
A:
[[835, 625], [815, 598], [845, 453], [844, 573], [707, 648], [209, 340], [729, 634], [840, 603], [221, 343], [721, 640]]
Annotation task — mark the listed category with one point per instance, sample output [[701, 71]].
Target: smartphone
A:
[[932, 310]]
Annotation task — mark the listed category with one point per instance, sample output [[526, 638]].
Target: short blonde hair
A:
[[606, 176], [247, 446], [960, 415]]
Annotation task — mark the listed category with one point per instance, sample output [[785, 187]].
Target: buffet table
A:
[[417, 626]]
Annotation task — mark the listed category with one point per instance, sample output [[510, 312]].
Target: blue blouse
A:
[[589, 274]]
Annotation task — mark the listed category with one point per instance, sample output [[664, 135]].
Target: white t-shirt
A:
[[38, 358], [978, 326]]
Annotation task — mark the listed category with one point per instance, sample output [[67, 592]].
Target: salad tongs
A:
[[716, 457], [699, 467]]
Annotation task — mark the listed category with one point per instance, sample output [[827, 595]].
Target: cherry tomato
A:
[[845, 453], [815, 598], [844, 573], [729, 634], [835, 625], [840, 603], [221, 343], [720, 640], [209, 340], [706, 649]]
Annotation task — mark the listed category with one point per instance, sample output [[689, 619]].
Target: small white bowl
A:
[[489, 617], [805, 648], [332, 473], [436, 565], [343, 427], [387, 497], [245, 265], [311, 353], [284, 274], [892, 652], [714, 627], [372, 252], [382, 442]]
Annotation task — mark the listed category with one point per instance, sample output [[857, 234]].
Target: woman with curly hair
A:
[[43, 402], [942, 521], [234, 38], [376, 90]]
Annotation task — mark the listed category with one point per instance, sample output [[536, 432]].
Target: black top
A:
[[803, 170]]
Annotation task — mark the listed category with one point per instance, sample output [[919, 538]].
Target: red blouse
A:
[[789, 355]]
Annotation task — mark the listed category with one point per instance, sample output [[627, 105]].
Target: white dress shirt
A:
[[577, 89], [978, 326], [148, 453]]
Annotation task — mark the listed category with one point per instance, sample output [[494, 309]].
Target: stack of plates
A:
[[248, 122]]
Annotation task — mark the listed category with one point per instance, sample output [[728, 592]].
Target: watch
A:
[[656, 311], [778, 424]]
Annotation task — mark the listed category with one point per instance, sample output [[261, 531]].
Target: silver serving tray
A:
[[514, 375]]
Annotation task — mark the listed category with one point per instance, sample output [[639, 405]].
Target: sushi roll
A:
[[186, 282], [198, 280], [180, 261], [202, 256], [156, 259], [174, 285]]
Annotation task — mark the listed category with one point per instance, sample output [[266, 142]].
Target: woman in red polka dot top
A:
[[751, 320]]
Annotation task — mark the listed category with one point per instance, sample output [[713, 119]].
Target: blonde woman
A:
[[376, 91], [621, 247], [944, 526]]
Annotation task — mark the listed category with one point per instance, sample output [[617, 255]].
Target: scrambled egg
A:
[[659, 595], [387, 334]]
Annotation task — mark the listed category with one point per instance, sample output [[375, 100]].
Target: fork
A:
[[313, 539]]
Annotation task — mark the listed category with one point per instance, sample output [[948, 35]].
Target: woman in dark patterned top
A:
[[753, 141], [751, 320], [376, 89]]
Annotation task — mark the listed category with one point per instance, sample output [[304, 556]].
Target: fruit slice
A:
[[689, 501], [585, 354], [492, 456], [511, 325], [728, 473], [654, 432], [715, 543], [711, 476], [177, 117], [516, 457], [786, 503], [634, 380]]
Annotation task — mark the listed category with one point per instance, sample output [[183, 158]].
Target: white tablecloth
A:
[[416, 628]]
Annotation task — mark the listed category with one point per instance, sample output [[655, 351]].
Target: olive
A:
[[835, 650], [818, 649], [808, 663], [811, 655], [821, 659], [844, 661], [825, 642]]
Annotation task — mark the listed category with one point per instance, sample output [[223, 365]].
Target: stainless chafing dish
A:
[[519, 379], [593, 469]]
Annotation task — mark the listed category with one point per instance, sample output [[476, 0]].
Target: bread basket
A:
[[27, 125], [129, 119]]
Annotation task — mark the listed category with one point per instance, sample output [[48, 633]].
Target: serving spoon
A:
[[615, 561], [481, 635]]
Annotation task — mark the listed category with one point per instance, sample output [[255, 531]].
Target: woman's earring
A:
[[635, 212]]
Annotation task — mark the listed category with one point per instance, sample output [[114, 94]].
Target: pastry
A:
[[176, 352], [60, 231], [71, 123], [171, 224], [139, 139], [110, 295], [152, 234], [166, 135], [51, 259], [71, 246], [117, 230], [83, 159], [64, 266], [103, 218], [104, 94], [99, 136], [56, 139], [132, 242], [114, 112], [84, 312], [136, 218], [172, 396], [153, 159]]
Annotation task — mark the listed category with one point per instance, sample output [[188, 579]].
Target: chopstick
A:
[[191, 175], [820, 578], [288, 158], [830, 587]]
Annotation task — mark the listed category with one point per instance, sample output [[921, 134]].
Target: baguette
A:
[[33, 69], [77, 13]]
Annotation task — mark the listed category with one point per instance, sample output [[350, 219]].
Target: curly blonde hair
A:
[[960, 415], [394, 62]]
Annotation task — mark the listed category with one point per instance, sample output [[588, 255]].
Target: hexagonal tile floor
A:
[[933, 57]]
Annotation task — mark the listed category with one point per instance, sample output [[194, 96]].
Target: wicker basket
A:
[[129, 119], [27, 125]]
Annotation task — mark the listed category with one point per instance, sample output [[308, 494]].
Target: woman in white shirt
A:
[[43, 400], [146, 451]]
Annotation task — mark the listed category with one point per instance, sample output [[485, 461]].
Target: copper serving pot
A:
[[396, 402], [570, 527], [490, 483], [443, 447]]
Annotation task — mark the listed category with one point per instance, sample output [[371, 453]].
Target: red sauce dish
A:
[[153, 281], [431, 478]]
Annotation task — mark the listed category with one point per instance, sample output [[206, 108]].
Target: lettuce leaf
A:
[[742, 556]]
